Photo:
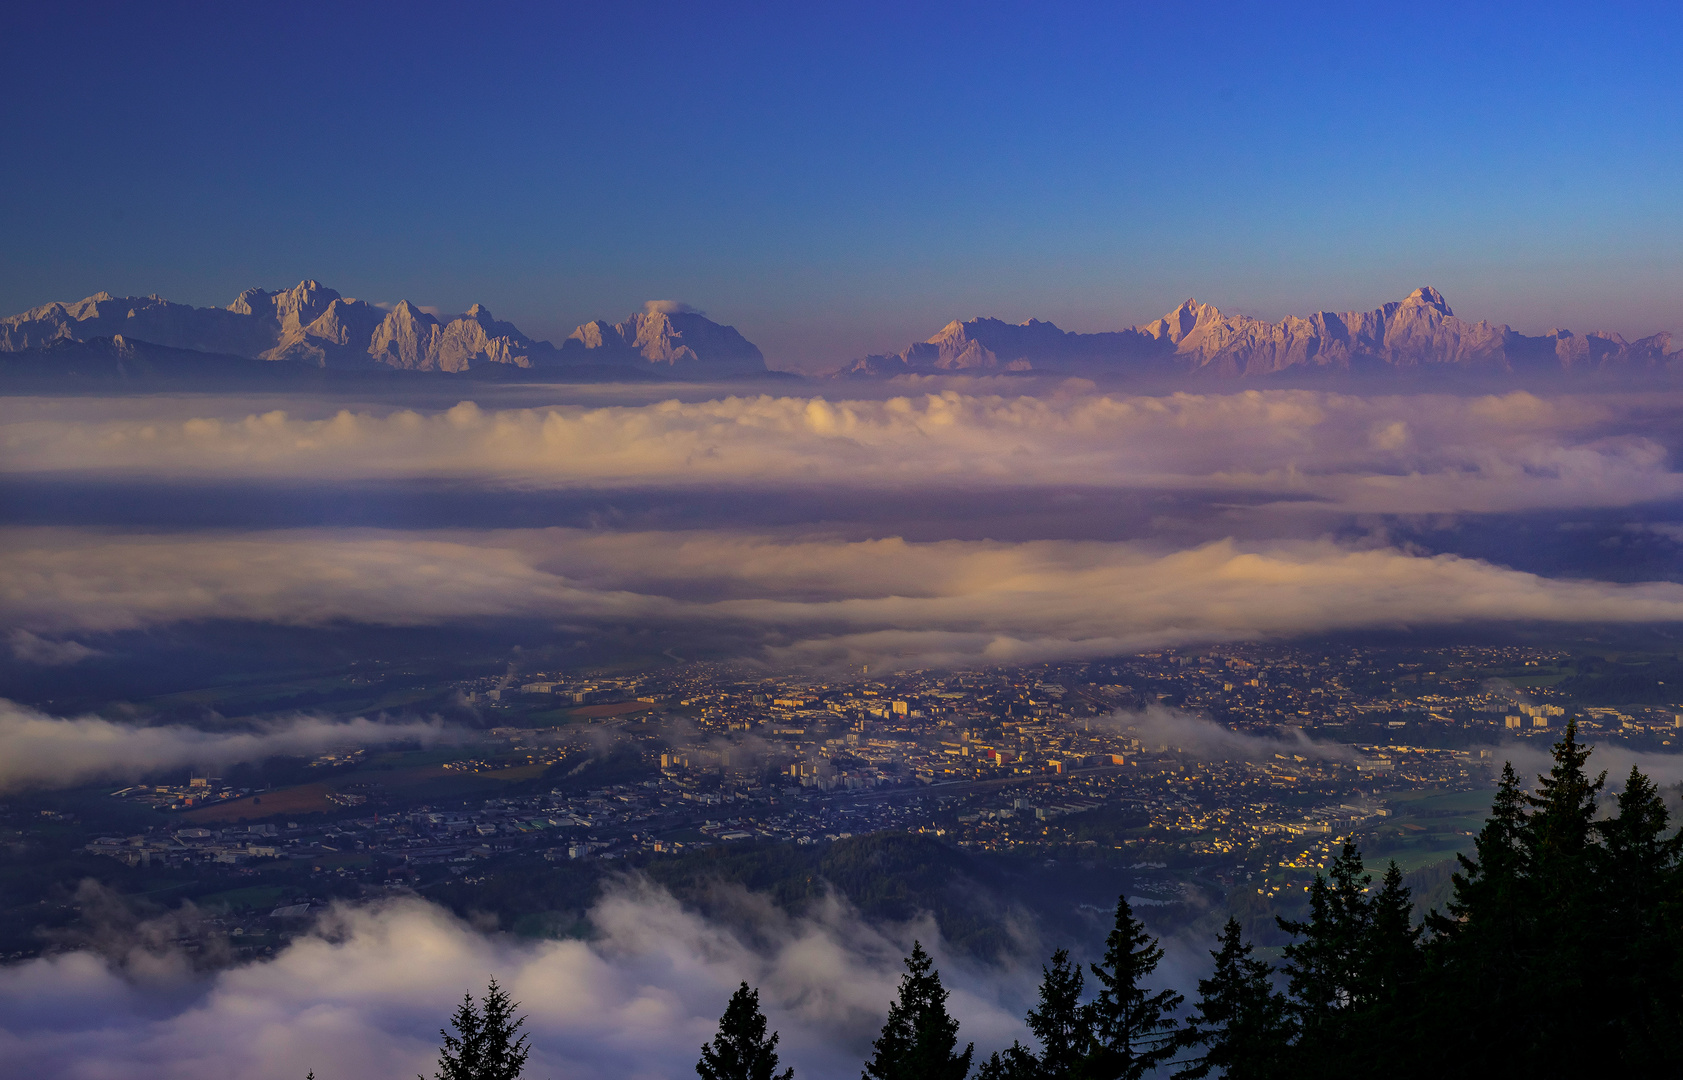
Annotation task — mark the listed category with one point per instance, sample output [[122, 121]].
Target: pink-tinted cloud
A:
[[813, 600], [1406, 454]]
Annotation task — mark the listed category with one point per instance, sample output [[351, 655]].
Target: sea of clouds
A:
[[1273, 522], [1280, 526], [1402, 454]]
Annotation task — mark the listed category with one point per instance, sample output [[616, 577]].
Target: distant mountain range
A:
[[314, 326], [1197, 338]]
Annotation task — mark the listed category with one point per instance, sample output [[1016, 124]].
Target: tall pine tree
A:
[[742, 1050], [1563, 952], [463, 1053], [1643, 1013], [1324, 964], [1059, 1021], [1240, 1024], [1389, 954], [487, 1044], [1518, 970], [1476, 1000], [1132, 1031], [919, 1041]]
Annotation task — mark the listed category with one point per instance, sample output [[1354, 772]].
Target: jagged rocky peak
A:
[[1177, 324], [314, 325], [252, 302], [1426, 296], [1198, 338], [671, 333]]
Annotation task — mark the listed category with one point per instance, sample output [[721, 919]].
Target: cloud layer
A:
[[1406, 454], [366, 993], [806, 599], [37, 750]]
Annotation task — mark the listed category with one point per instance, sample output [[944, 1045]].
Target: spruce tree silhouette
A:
[[1130, 1029], [1240, 1021], [484, 1046], [920, 1040], [1060, 1023], [1645, 984], [742, 1050]]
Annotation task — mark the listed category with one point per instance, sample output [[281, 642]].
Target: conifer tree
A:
[[1059, 1021], [1390, 959], [1240, 1022], [1645, 995], [505, 1047], [463, 1054], [1324, 965], [919, 1041], [1015, 1062], [487, 1044], [1131, 1030], [1475, 999], [1487, 908], [1517, 961], [742, 1050], [1562, 823], [1384, 1020], [1563, 952]]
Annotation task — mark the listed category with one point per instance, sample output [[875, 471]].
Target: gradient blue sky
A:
[[838, 179]]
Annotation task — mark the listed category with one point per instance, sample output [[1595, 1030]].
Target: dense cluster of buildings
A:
[[1210, 756]]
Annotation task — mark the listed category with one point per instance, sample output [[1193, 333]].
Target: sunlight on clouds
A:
[[1412, 454], [819, 599]]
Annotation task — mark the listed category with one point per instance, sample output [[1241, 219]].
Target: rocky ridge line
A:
[[1198, 338], [315, 326]]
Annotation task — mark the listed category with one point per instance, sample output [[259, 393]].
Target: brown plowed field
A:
[[303, 799], [312, 798]]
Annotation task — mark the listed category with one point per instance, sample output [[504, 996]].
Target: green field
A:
[[253, 897]]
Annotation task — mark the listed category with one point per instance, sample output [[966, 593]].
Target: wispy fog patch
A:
[[365, 994], [389, 305], [1532, 759], [34, 649], [1192, 733], [38, 750], [671, 307]]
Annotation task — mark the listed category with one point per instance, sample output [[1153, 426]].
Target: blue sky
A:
[[837, 179]]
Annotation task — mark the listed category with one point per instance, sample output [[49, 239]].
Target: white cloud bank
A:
[[1404, 454], [38, 750], [364, 997], [807, 599]]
